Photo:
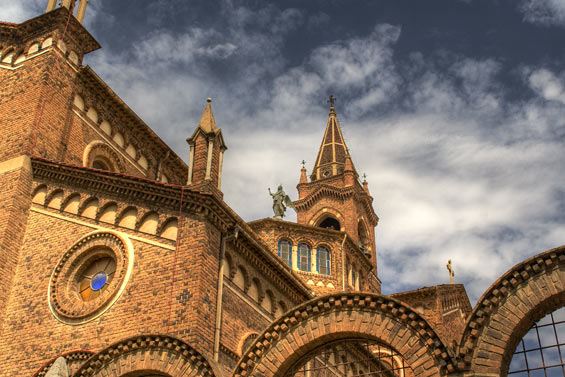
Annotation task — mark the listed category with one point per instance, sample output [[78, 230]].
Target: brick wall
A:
[[15, 199]]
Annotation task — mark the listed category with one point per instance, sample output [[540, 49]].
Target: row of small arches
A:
[[303, 261], [109, 212], [252, 286], [13, 55], [117, 137]]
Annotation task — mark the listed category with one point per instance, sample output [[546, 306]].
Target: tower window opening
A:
[[285, 251], [303, 257], [323, 260], [330, 223], [364, 240], [97, 164]]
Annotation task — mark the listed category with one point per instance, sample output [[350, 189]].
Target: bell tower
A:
[[334, 197]]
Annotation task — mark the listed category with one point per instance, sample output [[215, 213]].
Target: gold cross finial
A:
[[331, 100], [451, 272], [303, 164]]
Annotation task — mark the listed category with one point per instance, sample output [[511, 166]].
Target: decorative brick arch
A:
[[159, 354], [508, 309], [73, 358], [99, 149], [346, 316], [324, 213]]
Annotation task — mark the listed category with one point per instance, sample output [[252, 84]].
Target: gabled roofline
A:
[[92, 78]]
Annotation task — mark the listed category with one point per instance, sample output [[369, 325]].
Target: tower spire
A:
[[332, 154], [334, 197]]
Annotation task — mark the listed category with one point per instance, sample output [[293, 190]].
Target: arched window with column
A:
[[285, 251], [323, 260], [303, 257]]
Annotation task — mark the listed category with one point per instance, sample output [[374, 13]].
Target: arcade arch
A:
[[509, 308], [346, 317]]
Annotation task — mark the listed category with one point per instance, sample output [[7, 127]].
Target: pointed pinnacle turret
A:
[[365, 184], [207, 148], [333, 151], [303, 178], [207, 121]]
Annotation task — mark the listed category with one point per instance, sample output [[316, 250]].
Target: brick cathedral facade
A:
[[119, 259]]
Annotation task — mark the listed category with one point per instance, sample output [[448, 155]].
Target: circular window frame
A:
[[63, 292]]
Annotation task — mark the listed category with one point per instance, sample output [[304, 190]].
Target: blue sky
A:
[[454, 109]]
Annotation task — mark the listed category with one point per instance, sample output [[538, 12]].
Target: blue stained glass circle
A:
[[98, 281]]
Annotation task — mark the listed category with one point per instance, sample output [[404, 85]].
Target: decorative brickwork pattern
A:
[[345, 316], [74, 360], [509, 308], [150, 353]]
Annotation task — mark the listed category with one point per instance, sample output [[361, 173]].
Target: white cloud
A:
[[548, 85], [544, 12], [19, 11], [456, 169], [163, 47]]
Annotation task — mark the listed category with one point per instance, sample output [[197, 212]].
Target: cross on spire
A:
[[303, 164], [331, 100]]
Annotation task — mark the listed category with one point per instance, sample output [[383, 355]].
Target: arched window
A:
[[303, 257], [100, 164], [353, 278], [330, 223], [285, 251], [323, 260]]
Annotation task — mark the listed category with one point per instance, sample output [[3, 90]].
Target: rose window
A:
[[96, 278]]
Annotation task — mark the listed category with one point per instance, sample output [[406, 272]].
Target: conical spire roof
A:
[[207, 121], [333, 151]]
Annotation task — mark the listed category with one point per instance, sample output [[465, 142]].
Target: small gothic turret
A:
[[207, 148]]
